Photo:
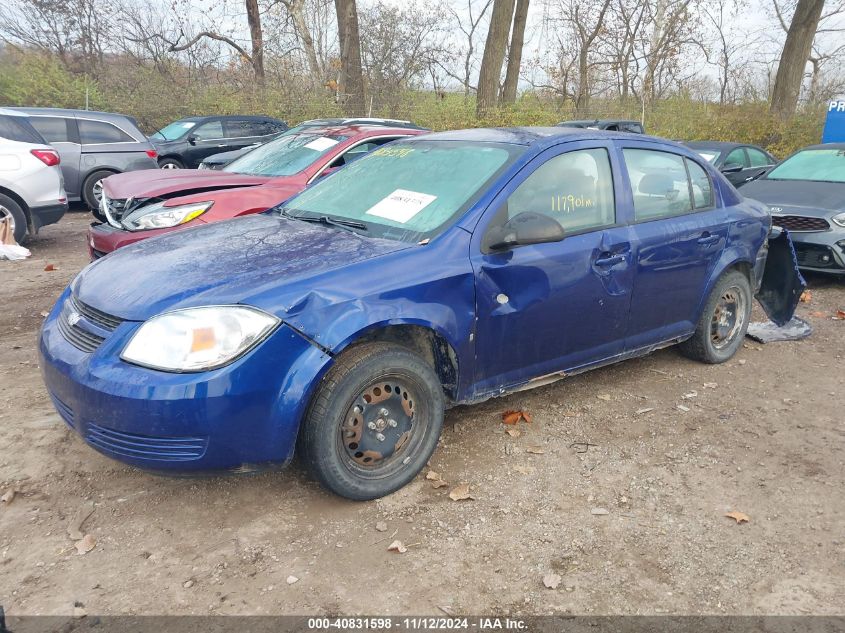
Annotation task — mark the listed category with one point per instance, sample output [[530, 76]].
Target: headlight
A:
[[198, 339], [158, 216], [839, 219]]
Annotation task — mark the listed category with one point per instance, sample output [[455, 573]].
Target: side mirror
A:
[[525, 228], [193, 138], [732, 168]]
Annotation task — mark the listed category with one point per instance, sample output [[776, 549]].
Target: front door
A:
[[205, 140], [547, 307]]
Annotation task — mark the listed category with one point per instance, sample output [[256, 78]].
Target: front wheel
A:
[[724, 321], [170, 163], [374, 421]]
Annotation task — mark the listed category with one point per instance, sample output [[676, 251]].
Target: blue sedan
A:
[[439, 270]]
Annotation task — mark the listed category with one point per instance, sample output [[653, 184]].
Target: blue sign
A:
[[834, 126]]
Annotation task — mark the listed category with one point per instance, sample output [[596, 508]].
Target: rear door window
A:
[[757, 158], [737, 157], [54, 129], [209, 131], [702, 187], [93, 132], [659, 182], [244, 128], [18, 128]]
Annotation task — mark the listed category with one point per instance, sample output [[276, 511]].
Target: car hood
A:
[[222, 263], [818, 199], [151, 183]]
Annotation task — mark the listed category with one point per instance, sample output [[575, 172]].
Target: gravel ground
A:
[[619, 486]]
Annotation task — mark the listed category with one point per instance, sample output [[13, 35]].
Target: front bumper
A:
[[47, 214], [104, 238], [239, 417], [820, 251]]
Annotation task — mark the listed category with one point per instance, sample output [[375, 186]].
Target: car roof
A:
[[71, 112], [539, 137], [825, 146], [355, 129], [229, 117], [720, 145], [10, 112], [597, 122]]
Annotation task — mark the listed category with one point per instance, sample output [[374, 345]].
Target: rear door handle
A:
[[706, 239], [612, 260]]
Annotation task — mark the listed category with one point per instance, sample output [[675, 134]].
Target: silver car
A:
[[93, 146], [31, 191]]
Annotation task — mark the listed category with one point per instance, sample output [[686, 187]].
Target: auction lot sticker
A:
[[401, 205]]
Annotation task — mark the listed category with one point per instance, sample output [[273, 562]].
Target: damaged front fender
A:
[[782, 284]]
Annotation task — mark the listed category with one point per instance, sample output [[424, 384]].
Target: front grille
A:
[[105, 321], [73, 313], [800, 223], [113, 209], [165, 449], [64, 411]]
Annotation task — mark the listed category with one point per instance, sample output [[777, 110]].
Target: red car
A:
[[142, 204]]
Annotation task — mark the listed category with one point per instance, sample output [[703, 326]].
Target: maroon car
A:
[[139, 205]]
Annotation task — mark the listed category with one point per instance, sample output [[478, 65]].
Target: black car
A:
[[186, 142], [612, 125], [219, 161], [739, 163], [806, 194]]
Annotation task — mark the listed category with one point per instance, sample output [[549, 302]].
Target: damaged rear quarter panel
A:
[[431, 287]]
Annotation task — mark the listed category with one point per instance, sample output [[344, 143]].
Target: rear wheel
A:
[[724, 321], [92, 189], [12, 211], [170, 163], [374, 422]]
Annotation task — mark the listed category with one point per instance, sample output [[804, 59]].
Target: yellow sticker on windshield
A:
[[393, 152]]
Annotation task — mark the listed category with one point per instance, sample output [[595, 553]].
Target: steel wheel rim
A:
[[728, 317], [6, 214], [382, 425], [169, 166]]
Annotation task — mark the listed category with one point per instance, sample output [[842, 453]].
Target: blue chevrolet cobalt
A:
[[438, 270]]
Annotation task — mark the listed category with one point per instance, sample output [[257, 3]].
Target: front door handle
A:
[[707, 239], [610, 260]]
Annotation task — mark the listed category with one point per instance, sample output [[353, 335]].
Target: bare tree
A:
[[351, 77], [494, 55], [469, 31], [296, 10], [520, 19], [793, 59]]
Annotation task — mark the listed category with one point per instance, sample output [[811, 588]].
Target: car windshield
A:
[[708, 155], [821, 165], [407, 191], [285, 156], [175, 130]]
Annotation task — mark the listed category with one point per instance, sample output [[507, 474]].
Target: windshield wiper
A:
[[325, 219]]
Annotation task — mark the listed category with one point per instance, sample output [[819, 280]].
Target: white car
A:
[[32, 191]]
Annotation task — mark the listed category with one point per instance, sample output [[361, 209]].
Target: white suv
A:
[[32, 191]]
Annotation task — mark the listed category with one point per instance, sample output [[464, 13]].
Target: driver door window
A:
[[212, 130], [575, 189]]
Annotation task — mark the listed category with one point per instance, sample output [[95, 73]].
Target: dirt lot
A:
[[763, 434]]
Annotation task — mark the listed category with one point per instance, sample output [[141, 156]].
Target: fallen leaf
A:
[[397, 546], [711, 385], [840, 315], [683, 408], [739, 517], [292, 579], [604, 396], [85, 544], [806, 296], [535, 450], [74, 528], [460, 493], [599, 511], [526, 416], [439, 483], [50, 268], [551, 581], [381, 526], [819, 314], [7, 498], [431, 475], [513, 432], [79, 612], [511, 417]]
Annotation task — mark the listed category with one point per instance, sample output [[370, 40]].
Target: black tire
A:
[[89, 189], [11, 209], [346, 417], [170, 163], [718, 335]]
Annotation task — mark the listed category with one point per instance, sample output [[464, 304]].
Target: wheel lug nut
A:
[[380, 437], [392, 423], [357, 409], [371, 426]]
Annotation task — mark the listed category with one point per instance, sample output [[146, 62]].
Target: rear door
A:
[[242, 133], [758, 161], [679, 231], [62, 133], [545, 308]]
